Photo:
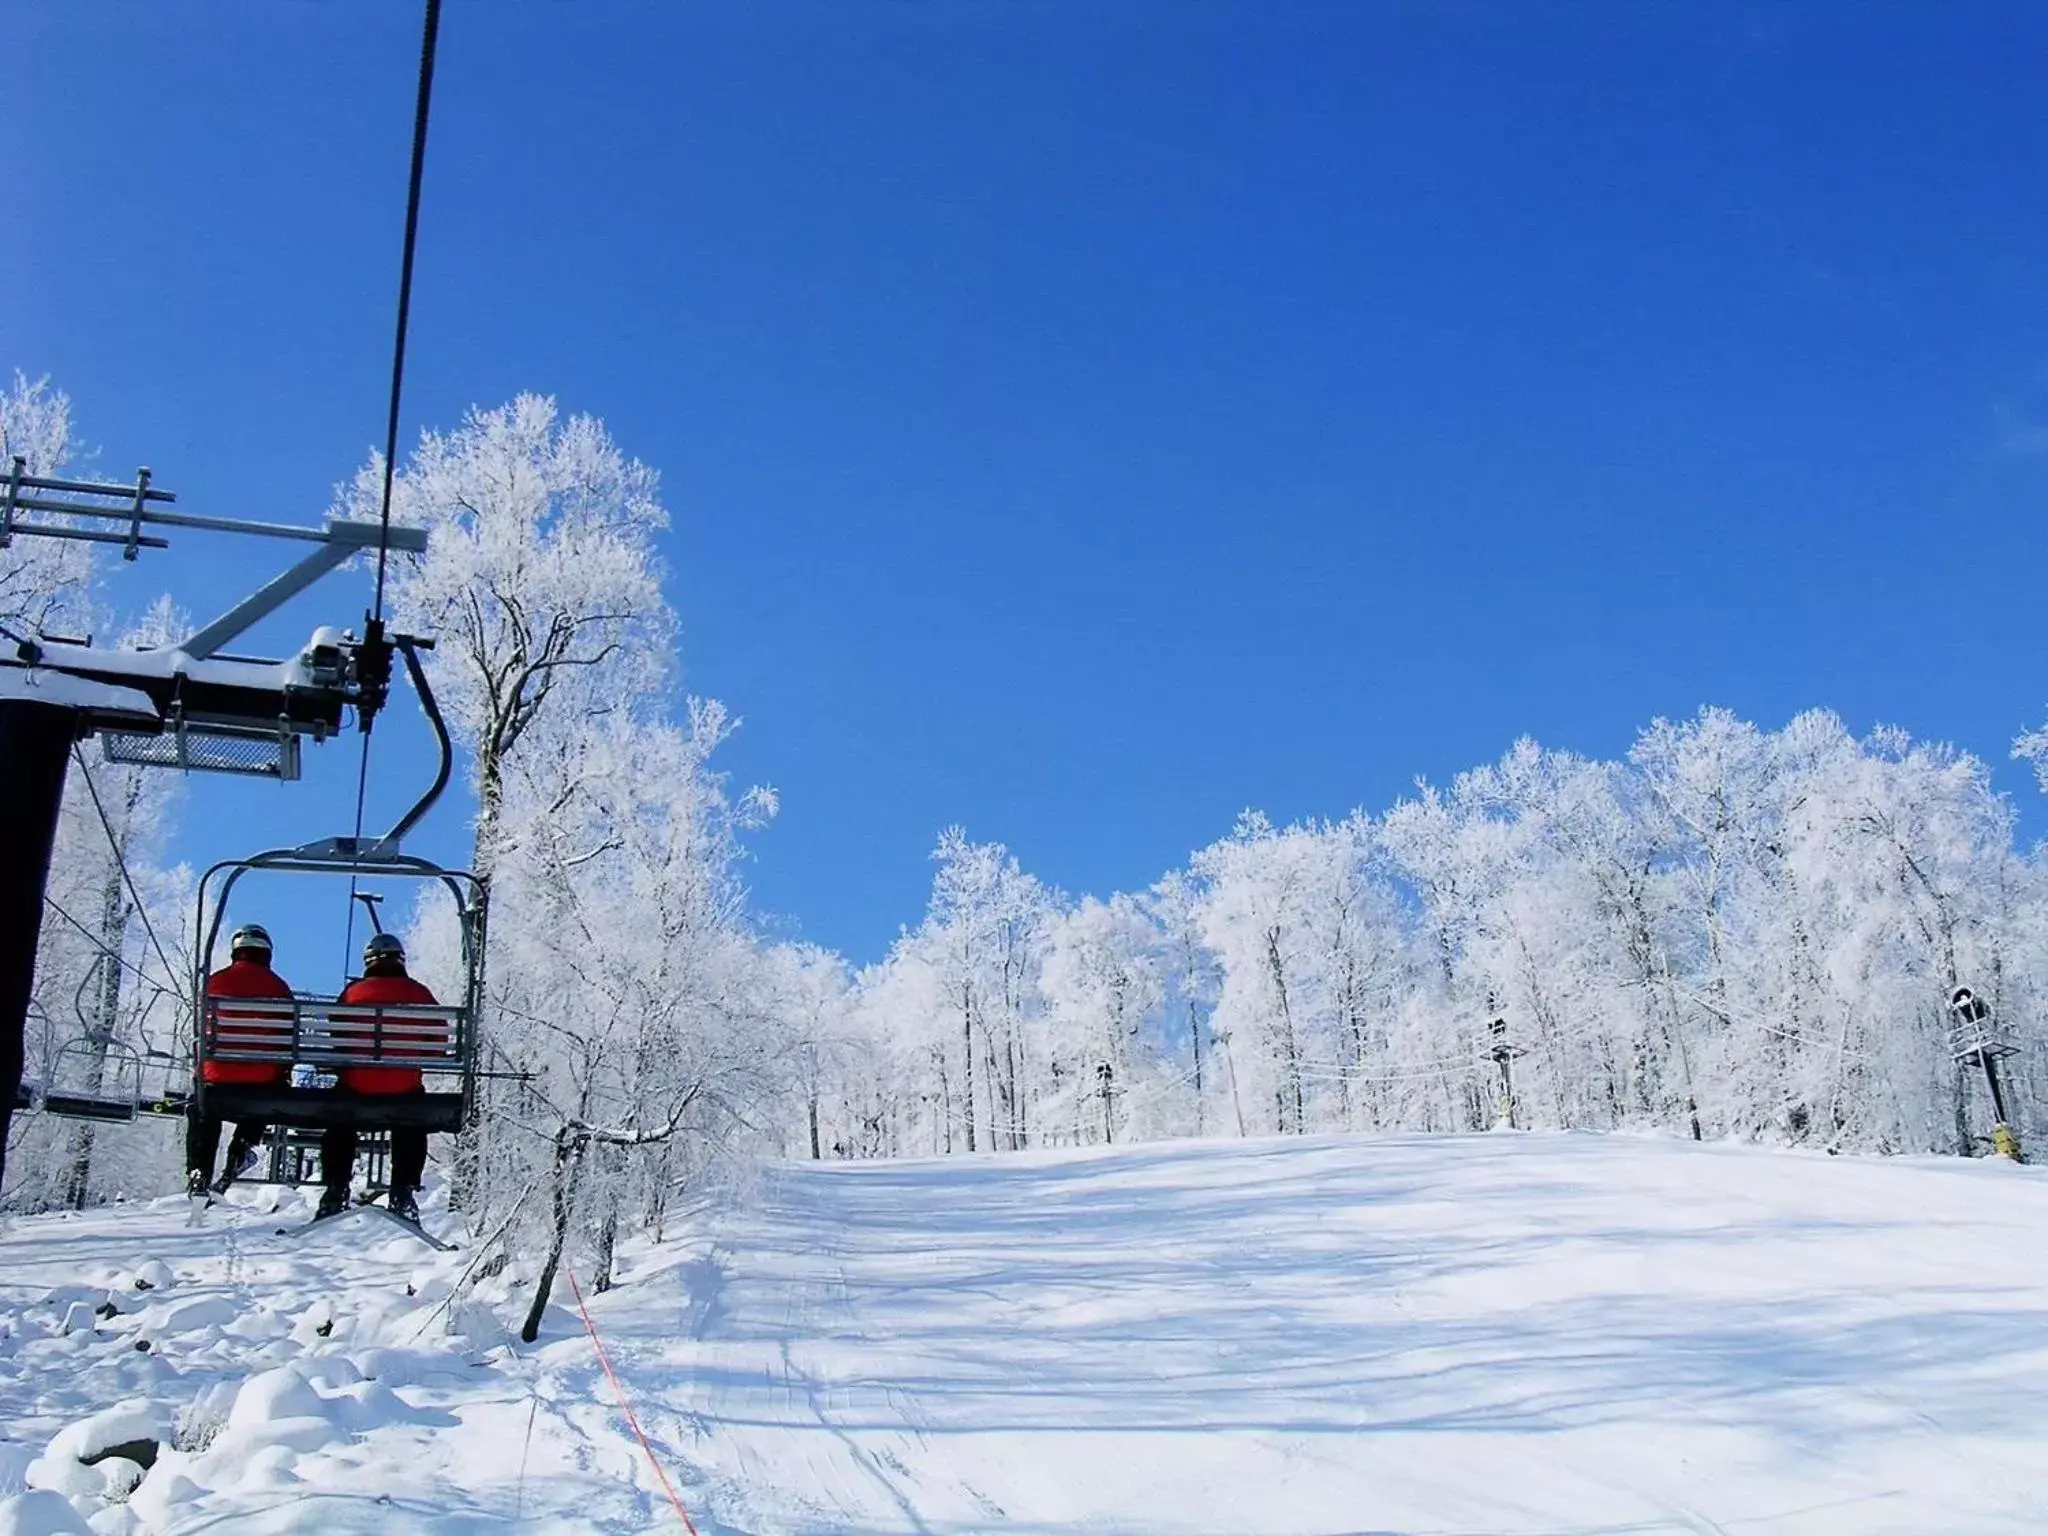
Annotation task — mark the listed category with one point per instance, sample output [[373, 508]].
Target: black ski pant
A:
[[408, 1156], [202, 1142]]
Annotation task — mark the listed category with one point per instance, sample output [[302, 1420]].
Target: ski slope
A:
[[1488, 1334]]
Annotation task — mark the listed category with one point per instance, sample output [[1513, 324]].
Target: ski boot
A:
[[332, 1203], [400, 1203], [241, 1158]]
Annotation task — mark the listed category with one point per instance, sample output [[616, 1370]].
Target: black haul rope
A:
[[412, 228], [430, 33]]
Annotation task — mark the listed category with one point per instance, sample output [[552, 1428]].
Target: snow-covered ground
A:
[[1487, 1334]]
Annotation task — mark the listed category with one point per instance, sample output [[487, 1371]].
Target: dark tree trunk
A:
[[568, 1159], [967, 1035]]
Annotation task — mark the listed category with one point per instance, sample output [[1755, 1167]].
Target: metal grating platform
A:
[[1971, 1039], [208, 749]]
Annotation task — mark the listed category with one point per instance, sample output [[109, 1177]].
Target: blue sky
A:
[[1081, 422]]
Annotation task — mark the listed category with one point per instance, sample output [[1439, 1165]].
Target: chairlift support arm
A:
[[342, 541], [410, 646]]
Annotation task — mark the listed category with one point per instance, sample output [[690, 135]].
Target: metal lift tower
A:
[[184, 706]]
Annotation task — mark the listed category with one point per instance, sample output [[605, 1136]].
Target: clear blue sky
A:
[[1084, 421]]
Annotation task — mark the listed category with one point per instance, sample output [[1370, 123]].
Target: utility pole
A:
[[1974, 1041], [181, 706]]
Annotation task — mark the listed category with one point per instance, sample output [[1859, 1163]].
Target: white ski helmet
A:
[[250, 936]]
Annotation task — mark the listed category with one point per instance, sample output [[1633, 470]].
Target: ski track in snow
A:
[[1506, 1335]]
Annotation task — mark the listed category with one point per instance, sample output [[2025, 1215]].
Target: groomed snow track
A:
[[1492, 1334]]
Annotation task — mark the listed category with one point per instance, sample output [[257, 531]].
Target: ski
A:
[[410, 1229]]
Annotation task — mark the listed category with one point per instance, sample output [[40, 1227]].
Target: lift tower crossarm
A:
[[138, 506]]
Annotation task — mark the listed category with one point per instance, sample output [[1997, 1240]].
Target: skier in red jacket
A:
[[384, 981], [248, 975]]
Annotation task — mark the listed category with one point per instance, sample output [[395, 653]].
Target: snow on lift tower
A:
[[1974, 1040], [186, 706]]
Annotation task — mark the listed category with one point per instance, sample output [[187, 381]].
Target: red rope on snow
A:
[[632, 1418]]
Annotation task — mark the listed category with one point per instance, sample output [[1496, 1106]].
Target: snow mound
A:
[[280, 1394], [151, 1275], [40, 1514], [91, 1438], [191, 1314]]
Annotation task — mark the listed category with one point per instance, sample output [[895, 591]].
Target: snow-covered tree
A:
[[631, 1015], [1732, 932], [984, 933], [811, 997], [1103, 985], [42, 580], [539, 582], [1191, 981]]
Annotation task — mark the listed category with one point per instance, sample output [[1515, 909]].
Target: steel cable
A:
[[422, 106]]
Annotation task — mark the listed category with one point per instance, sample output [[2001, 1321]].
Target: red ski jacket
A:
[[244, 1031], [381, 989]]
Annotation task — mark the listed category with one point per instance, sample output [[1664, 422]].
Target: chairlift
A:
[[1973, 1034], [91, 1077], [189, 707], [111, 1089], [314, 1039], [314, 1035]]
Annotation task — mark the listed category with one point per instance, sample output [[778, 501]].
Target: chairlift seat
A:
[[60, 1093], [85, 1106], [437, 1040]]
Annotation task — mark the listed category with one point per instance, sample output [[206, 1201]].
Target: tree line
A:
[[1730, 932]]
